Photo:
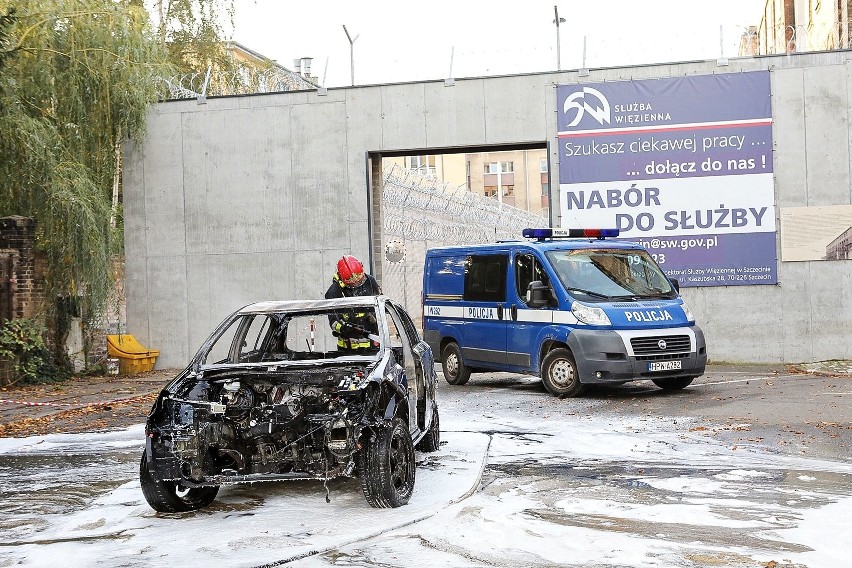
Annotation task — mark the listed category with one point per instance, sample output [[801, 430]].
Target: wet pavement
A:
[[747, 467]]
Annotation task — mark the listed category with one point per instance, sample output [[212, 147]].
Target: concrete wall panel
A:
[[826, 133], [321, 205], [232, 198], [133, 169], [363, 131], [848, 67], [788, 132], [830, 308], [163, 198], [513, 109], [794, 328], [218, 285], [166, 304], [736, 323], [403, 116], [455, 115], [248, 198]]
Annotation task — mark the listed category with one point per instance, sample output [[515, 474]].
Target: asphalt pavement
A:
[[748, 466]]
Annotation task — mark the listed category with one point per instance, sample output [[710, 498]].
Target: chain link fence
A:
[[422, 212]]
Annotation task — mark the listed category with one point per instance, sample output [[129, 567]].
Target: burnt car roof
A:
[[307, 305]]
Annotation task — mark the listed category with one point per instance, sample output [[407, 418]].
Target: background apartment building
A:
[[799, 25], [518, 178]]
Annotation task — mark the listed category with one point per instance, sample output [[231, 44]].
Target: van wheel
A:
[[559, 374], [673, 384], [455, 371]]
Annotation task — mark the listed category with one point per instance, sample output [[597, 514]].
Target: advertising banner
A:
[[683, 165]]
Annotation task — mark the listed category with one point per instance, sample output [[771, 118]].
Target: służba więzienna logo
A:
[[579, 101]]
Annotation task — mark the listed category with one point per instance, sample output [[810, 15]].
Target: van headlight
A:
[[589, 314], [687, 312]]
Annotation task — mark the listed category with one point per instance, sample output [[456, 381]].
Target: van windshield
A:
[[610, 274]]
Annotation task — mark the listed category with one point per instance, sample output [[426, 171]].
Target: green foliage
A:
[[22, 342], [192, 33], [76, 78]]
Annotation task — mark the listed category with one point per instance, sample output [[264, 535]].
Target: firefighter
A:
[[352, 328]]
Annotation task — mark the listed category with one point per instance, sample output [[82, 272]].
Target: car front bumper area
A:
[[604, 356]]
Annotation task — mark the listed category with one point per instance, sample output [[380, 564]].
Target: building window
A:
[[545, 189], [491, 190], [542, 165], [423, 164], [500, 167]]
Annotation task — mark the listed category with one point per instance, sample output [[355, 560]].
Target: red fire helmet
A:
[[350, 270]]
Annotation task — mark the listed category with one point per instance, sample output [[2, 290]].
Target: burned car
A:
[[276, 393]]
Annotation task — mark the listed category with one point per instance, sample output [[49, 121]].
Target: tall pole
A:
[[558, 21], [351, 53]]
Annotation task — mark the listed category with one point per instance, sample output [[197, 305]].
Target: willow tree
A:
[[193, 32], [76, 78]]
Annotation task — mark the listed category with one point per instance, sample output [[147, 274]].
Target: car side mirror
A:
[[675, 283], [538, 294]]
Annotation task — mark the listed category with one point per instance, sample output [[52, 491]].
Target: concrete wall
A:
[[249, 198]]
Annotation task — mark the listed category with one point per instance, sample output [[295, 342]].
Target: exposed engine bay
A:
[[303, 423], [300, 389]]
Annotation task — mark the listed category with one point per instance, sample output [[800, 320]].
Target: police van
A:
[[566, 305]]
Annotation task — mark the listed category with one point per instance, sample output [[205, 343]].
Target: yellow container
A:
[[132, 356]]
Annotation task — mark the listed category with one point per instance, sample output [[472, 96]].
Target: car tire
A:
[[559, 374], [432, 440], [167, 497], [387, 466], [673, 384], [455, 370]]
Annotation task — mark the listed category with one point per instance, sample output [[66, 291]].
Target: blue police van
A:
[[566, 305]]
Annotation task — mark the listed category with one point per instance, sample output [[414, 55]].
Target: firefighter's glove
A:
[[348, 329]]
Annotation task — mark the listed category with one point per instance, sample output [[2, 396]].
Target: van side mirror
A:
[[538, 294], [675, 283]]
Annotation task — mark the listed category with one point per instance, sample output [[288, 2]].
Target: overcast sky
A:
[[405, 41]]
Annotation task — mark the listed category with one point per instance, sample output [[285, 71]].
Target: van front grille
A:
[[665, 345]]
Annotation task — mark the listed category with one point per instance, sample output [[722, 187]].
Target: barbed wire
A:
[[817, 37], [421, 207], [242, 81]]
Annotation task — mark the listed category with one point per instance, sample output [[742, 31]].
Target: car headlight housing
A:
[[591, 315], [687, 312]]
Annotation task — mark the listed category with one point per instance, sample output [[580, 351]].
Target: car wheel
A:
[[432, 440], [673, 384], [455, 371], [168, 496], [387, 466], [559, 374]]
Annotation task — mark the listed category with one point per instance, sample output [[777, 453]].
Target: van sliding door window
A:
[[528, 269], [485, 278]]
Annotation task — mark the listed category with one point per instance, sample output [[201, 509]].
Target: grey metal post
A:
[[351, 53], [558, 21]]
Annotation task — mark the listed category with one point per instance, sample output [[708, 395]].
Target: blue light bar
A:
[[542, 234], [537, 233]]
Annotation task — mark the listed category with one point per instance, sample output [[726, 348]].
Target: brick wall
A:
[[17, 247]]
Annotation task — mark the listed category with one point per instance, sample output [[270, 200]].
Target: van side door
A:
[[485, 314], [525, 322]]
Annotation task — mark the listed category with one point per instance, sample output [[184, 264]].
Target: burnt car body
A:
[[271, 396]]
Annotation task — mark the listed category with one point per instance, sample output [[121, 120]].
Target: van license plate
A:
[[664, 366]]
